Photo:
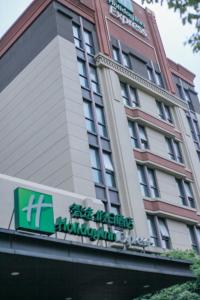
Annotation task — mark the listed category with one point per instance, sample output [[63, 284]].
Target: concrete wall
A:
[[179, 234], [42, 126]]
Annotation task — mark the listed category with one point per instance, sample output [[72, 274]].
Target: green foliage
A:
[[186, 291], [190, 13]]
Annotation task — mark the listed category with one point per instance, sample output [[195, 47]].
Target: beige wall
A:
[[179, 235], [42, 126], [168, 188]]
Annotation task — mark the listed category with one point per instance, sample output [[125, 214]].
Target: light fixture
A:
[[14, 273], [109, 282], [68, 298], [146, 286]]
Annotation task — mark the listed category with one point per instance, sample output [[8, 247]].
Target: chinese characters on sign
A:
[[80, 212]]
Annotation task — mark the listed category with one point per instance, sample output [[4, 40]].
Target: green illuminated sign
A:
[[33, 211]]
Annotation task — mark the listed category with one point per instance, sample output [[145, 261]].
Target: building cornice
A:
[[140, 82]]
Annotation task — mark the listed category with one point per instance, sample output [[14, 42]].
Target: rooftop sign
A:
[[123, 10]]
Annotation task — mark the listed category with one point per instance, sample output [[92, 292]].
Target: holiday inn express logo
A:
[[34, 211]]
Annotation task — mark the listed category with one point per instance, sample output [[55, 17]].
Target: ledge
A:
[[172, 211], [140, 82], [162, 164], [151, 121]]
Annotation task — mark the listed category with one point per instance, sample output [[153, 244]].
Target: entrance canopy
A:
[[34, 267]]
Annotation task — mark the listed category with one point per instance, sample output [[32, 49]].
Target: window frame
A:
[[146, 182], [186, 199]]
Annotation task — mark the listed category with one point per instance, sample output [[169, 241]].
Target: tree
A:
[[186, 291], [190, 13]]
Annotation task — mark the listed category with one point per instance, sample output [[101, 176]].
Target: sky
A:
[[173, 33]]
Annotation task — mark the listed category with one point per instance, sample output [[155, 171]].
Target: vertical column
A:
[[125, 165]]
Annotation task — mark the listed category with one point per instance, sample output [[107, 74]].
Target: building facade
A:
[[91, 105]]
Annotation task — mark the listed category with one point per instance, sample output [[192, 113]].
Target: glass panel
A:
[[88, 42], [133, 135], [116, 54], [181, 191], [94, 158], [124, 93], [178, 153], [152, 183], [101, 121], [143, 137], [160, 110], [94, 79], [163, 228], [97, 176], [168, 113], [150, 74], [126, 60], [107, 161], [81, 68], [158, 79], [170, 148], [133, 94], [143, 182], [77, 36], [152, 230], [192, 237], [110, 179]]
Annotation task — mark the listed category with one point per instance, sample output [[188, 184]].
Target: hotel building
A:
[[92, 111]]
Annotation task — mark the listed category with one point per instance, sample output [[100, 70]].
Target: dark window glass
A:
[[116, 55], [133, 134], [77, 35], [150, 74], [126, 60], [185, 193], [89, 116], [110, 179], [124, 93], [143, 137], [152, 183], [158, 79], [88, 42], [143, 181], [82, 73], [95, 163], [193, 238], [101, 121], [164, 234], [152, 231], [94, 80]]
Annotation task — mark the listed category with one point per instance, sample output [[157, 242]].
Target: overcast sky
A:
[[172, 31]]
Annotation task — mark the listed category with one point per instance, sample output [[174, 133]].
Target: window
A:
[[88, 116], [138, 136], [152, 231], [188, 99], [164, 111], [165, 238], [116, 55], [126, 60], [147, 180], [193, 237], [101, 121], [150, 74], [77, 35], [95, 163], [94, 80], [158, 79], [124, 93], [129, 95], [82, 73], [174, 150], [110, 179], [89, 45], [185, 193], [159, 233]]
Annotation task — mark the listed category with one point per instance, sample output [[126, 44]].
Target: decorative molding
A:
[[140, 82], [157, 124], [172, 211], [162, 163]]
